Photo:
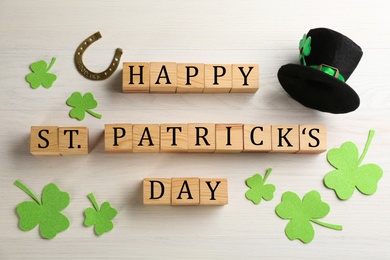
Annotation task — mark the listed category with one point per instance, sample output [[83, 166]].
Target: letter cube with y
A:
[[245, 78], [213, 191], [157, 191]]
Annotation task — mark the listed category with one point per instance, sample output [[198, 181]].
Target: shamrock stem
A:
[[371, 134], [94, 202], [332, 226], [94, 114], [269, 170], [53, 60], [21, 186]]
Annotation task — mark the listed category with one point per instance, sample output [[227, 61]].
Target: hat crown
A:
[[333, 49]]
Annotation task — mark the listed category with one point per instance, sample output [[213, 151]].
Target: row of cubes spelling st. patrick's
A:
[[182, 138], [171, 77]]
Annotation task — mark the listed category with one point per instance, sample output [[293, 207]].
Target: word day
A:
[[182, 138], [185, 191], [171, 77]]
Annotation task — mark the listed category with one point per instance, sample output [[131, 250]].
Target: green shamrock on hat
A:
[[304, 48]]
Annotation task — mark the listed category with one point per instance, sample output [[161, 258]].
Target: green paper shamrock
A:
[[101, 218], [82, 104], [40, 74], [258, 188], [46, 212], [302, 213], [349, 173], [304, 49]]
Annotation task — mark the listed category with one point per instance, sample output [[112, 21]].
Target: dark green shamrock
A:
[[40, 74], [258, 188], [101, 218], [301, 213], [304, 49], [349, 173], [82, 104], [46, 213]]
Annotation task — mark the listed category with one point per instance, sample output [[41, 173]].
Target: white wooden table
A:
[[263, 32]]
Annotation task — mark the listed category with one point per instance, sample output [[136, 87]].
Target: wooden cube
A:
[[201, 138], [146, 138], [73, 140], [257, 138], [217, 78], [190, 78], [118, 138], [245, 78], [135, 77], [285, 138], [213, 191], [163, 77], [185, 191], [157, 191], [44, 140], [228, 138], [312, 139], [173, 138]]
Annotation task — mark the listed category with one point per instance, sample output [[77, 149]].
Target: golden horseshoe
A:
[[78, 59]]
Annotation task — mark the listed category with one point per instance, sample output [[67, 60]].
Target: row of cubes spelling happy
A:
[[171, 77], [182, 138]]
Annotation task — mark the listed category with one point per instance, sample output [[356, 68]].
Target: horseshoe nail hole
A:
[[105, 73], [116, 59], [78, 53], [113, 64], [85, 43], [90, 39], [81, 48], [110, 69]]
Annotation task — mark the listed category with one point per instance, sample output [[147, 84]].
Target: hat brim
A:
[[316, 89]]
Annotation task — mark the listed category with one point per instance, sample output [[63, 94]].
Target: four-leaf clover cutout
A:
[[40, 74], [258, 188], [302, 213], [45, 212], [349, 173], [304, 48], [99, 217], [82, 104]]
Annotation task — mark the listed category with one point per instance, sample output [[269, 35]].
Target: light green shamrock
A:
[[304, 48], [82, 104], [40, 74], [45, 212], [100, 217], [349, 173], [258, 188], [301, 213]]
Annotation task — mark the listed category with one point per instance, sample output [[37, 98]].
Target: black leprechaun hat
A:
[[327, 59]]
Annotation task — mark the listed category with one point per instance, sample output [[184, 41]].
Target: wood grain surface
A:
[[214, 32]]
